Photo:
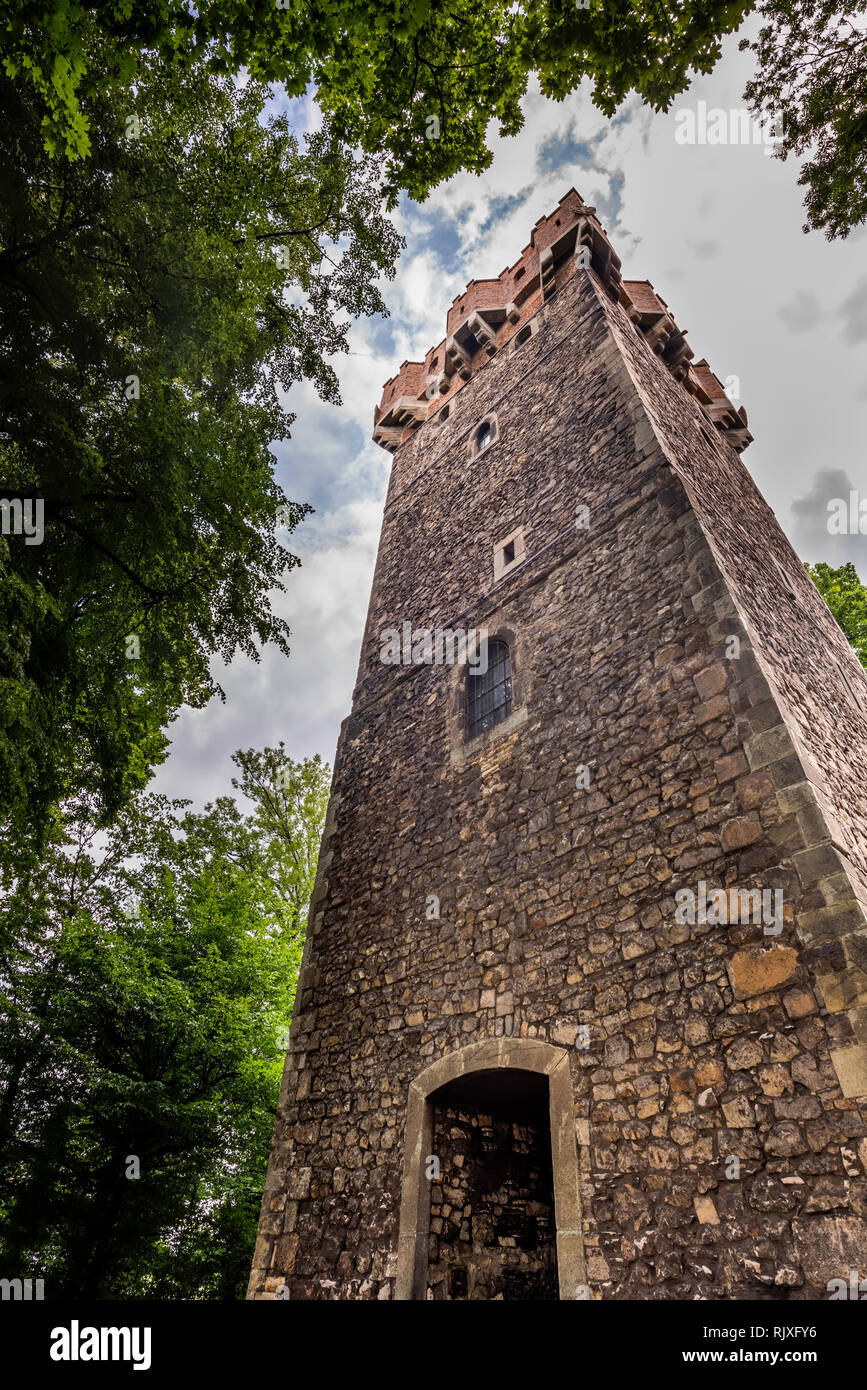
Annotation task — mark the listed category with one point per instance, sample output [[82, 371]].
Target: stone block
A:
[[830, 1246], [706, 1211], [756, 970], [298, 1183], [850, 1064]]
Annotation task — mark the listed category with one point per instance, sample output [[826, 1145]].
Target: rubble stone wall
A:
[[718, 1086]]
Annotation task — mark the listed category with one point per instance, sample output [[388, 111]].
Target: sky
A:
[[717, 229]]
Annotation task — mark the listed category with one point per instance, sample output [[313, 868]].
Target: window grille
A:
[[489, 694]]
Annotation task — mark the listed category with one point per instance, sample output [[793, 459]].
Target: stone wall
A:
[[717, 1103], [492, 1211]]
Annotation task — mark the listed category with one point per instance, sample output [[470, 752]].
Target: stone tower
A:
[[583, 1006]]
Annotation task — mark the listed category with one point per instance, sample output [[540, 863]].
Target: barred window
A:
[[489, 693]]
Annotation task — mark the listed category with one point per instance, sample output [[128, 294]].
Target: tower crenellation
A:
[[490, 314]]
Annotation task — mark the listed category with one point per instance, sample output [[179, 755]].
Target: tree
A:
[[421, 83], [383, 72], [812, 75], [291, 800], [145, 1006], [846, 597], [158, 300]]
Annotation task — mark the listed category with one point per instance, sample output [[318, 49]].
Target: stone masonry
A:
[[685, 712], [491, 1228]]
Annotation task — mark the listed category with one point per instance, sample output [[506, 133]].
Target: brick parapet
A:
[[489, 314]]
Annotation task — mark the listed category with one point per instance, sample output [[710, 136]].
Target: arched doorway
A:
[[507, 1220]]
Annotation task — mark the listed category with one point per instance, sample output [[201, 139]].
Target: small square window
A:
[[510, 552]]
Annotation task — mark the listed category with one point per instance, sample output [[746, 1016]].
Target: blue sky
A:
[[717, 229]]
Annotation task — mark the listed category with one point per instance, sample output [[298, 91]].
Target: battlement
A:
[[490, 313]]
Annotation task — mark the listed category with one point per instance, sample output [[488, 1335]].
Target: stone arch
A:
[[521, 1054]]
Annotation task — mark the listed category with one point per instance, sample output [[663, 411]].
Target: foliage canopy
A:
[[846, 597], [147, 980], [145, 357]]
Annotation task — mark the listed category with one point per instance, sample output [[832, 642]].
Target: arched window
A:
[[483, 436], [489, 693]]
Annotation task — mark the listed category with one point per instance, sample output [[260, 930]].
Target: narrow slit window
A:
[[489, 693], [484, 435], [509, 553]]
